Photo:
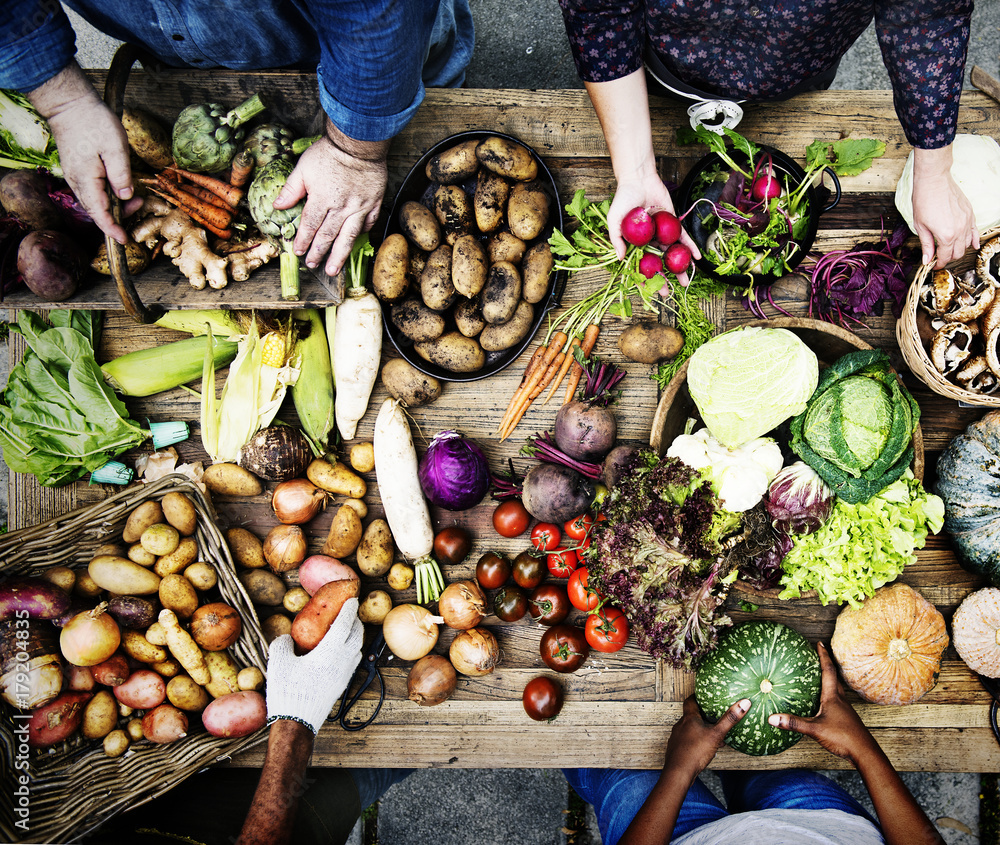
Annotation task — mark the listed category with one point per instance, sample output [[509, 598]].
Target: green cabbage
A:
[[748, 381]]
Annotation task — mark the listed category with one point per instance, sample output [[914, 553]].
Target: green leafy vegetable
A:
[[59, 420], [25, 139], [862, 545], [847, 157]]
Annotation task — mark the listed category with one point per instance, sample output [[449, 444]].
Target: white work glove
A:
[[305, 688]]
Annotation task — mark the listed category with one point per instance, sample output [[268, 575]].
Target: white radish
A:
[[406, 511]]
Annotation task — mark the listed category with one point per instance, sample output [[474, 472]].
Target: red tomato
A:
[[528, 570], [492, 571], [579, 527], [548, 604], [564, 648], [542, 698], [562, 562], [581, 595], [607, 629], [511, 518], [545, 537], [510, 604]]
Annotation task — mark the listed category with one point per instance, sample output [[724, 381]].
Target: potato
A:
[[400, 576], [420, 226], [454, 165], [168, 668], [62, 576], [25, 195], [390, 279], [100, 715], [137, 554], [111, 672], [317, 570], [117, 742], [416, 321], [336, 478], [490, 200], [468, 265], [276, 625], [453, 351], [139, 648], [122, 576], [345, 533], [536, 267], [362, 456], [185, 694], [453, 210], [132, 611], [148, 138], [360, 508], [179, 559], [137, 258], [295, 599], [506, 335], [237, 714], [501, 294], [160, 539], [143, 690], [436, 288], [407, 384], [649, 342], [250, 678], [86, 586], [232, 480], [315, 619], [124, 711], [527, 210], [78, 678], [418, 260], [142, 516], [223, 671], [51, 263], [201, 575], [156, 634], [508, 158], [116, 549], [504, 246], [179, 511], [468, 317], [263, 587], [134, 730], [374, 608], [164, 724], [246, 548], [179, 595], [56, 721], [375, 552]]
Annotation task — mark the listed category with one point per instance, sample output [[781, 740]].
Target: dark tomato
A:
[[510, 604], [579, 527], [562, 562], [492, 571], [564, 648], [511, 518], [548, 604], [452, 545], [581, 595], [545, 537], [542, 698], [528, 570], [607, 629]]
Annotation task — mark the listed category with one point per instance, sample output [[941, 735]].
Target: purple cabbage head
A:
[[454, 473]]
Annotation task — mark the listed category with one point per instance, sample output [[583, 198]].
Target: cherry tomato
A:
[[562, 562], [529, 570], [564, 648], [545, 537], [579, 527], [542, 698], [548, 604], [581, 595], [511, 518], [607, 629], [492, 571], [510, 604], [452, 545]]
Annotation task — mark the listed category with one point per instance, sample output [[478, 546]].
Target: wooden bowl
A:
[[828, 341]]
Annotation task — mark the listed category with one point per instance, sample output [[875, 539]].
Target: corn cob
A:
[[223, 323], [312, 392], [149, 371]]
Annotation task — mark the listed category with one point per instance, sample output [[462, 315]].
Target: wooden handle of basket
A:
[[984, 82], [114, 97]]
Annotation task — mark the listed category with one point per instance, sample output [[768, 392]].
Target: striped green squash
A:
[[772, 665]]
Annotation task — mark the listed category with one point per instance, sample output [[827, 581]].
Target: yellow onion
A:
[[90, 637], [297, 501], [431, 680], [410, 631], [285, 547], [474, 652], [462, 605]]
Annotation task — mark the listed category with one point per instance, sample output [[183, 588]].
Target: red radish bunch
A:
[[637, 227], [650, 264]]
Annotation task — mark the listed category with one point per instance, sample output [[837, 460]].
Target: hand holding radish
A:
[[638, 217]]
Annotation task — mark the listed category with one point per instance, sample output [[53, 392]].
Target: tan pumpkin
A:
[[889, 649], [976, 631]]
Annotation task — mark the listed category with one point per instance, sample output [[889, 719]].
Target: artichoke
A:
[[268, 142], [277, 223], [206, 136]]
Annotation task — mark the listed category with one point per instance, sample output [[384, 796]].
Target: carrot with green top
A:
[[202, 194], [564, 364], [221, 189], [586, 347], [522, 396], [213, 219]]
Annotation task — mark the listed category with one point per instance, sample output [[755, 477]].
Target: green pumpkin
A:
[[772, 665], [969, 482]]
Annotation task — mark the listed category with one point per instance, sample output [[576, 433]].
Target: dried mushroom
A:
[[951, 347]]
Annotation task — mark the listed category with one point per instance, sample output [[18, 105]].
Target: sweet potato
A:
[[314, 620], [37, 598]]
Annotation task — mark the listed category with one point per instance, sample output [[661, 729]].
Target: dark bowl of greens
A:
[[753, 212]]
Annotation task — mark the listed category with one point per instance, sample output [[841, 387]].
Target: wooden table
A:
[[619, 707]]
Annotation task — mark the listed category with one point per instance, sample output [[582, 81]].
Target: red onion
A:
[[454, 473]]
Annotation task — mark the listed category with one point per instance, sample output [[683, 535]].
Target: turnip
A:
[[766, 187], [678, 258], [637, 227], [668, 228], [650, 264]]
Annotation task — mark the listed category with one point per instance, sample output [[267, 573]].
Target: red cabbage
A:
[[454, 473]]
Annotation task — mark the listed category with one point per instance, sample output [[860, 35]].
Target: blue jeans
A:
[[617, 795]]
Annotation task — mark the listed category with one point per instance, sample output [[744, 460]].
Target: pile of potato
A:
[[463, 278]]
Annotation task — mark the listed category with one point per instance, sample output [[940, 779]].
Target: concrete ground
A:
[[522, 44]]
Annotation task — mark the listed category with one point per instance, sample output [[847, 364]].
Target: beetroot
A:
[[585, 430], [554, 493], [52, 264]]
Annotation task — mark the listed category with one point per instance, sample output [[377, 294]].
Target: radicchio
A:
[[798, 500]]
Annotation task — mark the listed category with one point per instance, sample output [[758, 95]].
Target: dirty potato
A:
[[389, 274], [436, 288], [468, 265], [504, 246], [420, 225], [453, 210], [536, 267], [650, 342], [490, 200], [506, 335], [468, 317], [453, 352], [416, 320], [508, 158], [527, 210], [454, 165], [407, 384], [501, 293]]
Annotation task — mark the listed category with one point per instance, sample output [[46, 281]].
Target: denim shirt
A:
[[370, 55]]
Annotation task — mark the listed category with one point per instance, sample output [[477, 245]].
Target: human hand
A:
[[693, 741], [942, 214], [305, 688], [343, 191], [835, 726], [650, 194]]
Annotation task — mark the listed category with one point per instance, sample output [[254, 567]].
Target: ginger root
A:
[[246, 256], [185, 243]]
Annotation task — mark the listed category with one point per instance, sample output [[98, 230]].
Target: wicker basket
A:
[[74, 788], [913, 350]]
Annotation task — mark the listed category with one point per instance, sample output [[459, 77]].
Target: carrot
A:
[[219, 231], [221, 189], [203, 194], [241, 170], [555, 344], [529, 371], [220, 217], [563, 369], [589, 341]]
